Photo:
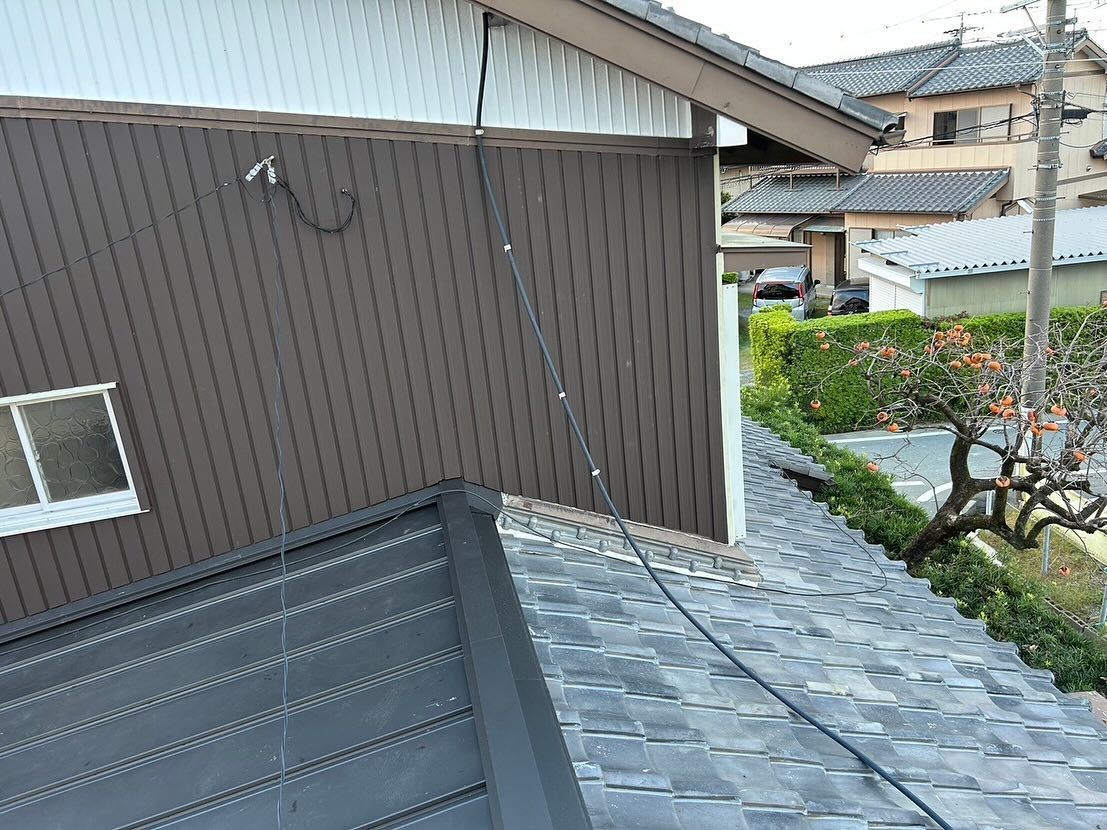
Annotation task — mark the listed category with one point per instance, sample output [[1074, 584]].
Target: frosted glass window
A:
[[61, 461]]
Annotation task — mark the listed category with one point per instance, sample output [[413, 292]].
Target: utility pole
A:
[[1051, 101]]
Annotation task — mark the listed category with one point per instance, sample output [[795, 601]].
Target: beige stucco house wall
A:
[[1086, 85]]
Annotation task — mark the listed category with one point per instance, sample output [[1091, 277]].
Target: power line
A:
[[294, 202], [601, 486], [278, 442], [951, 67], [25, 285], [958, 131], [519, 519]]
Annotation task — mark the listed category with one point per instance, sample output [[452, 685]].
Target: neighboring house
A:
[[828, 211], [962, 108], [171, 657], [972, 107], [981, 267]]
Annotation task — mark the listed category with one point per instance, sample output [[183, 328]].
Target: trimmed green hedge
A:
[[846, 400], [771, 333], [787, 353], [1012, 608]]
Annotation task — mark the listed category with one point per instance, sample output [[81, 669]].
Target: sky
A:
[[801, 32]]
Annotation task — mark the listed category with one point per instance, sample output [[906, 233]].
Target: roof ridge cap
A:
[[906, 50]]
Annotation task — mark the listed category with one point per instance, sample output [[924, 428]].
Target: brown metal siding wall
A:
[[407, 360]]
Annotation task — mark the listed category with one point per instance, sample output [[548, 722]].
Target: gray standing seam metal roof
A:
[[665, 734], [938, 191], [880, 74], [956, 247], [666, 19], [167, 713]]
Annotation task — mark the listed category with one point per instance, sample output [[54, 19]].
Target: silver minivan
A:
[[792, 286]]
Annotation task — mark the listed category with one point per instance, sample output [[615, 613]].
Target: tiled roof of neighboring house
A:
[[168, 712], [931, 192], [986, 67], [793, 194], [879, 74], [947, 192], [665, 733], [665, 18], [941, 68], [959, 247]]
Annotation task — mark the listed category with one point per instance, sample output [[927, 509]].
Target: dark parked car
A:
[[849, 299]]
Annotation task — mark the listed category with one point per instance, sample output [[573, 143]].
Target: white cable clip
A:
[[478, 131], [595, 472], [561, 396], [271, 171], [507, 248]]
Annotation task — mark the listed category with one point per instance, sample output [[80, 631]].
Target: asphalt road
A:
[[919, 460]]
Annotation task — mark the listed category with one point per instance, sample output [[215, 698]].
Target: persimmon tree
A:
[[1047, 465]]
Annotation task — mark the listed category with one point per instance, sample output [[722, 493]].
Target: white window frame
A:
[[46, 514]]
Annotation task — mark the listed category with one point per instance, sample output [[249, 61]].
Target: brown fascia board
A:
[[747, 87]]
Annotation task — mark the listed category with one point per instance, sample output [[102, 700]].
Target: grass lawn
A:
[[1080, 591]]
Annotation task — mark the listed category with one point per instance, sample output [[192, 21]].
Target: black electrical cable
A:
[[295, 203], [278, 445], [518, 519], [597, 477], [25, 285]]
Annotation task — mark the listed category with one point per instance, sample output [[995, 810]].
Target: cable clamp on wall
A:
[[561, 396], [267, 163], [478, 131], [595, 472], [507, 248]]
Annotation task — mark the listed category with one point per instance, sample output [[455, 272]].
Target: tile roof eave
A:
[[673, 24], [985, 191]]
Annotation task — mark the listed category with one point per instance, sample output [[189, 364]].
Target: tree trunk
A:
[[940, 530], [944, 526]]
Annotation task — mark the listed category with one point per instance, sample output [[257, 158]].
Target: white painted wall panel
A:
[[882, 294], [885, 295], [408, 60]]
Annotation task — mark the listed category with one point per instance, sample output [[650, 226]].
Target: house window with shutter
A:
[[972, 125]]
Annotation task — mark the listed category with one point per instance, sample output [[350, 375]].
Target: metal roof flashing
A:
[[718, 74], [667, 550], [407, 653]]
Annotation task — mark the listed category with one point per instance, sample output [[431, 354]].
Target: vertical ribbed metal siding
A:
[[406, 358], [322, 57]]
